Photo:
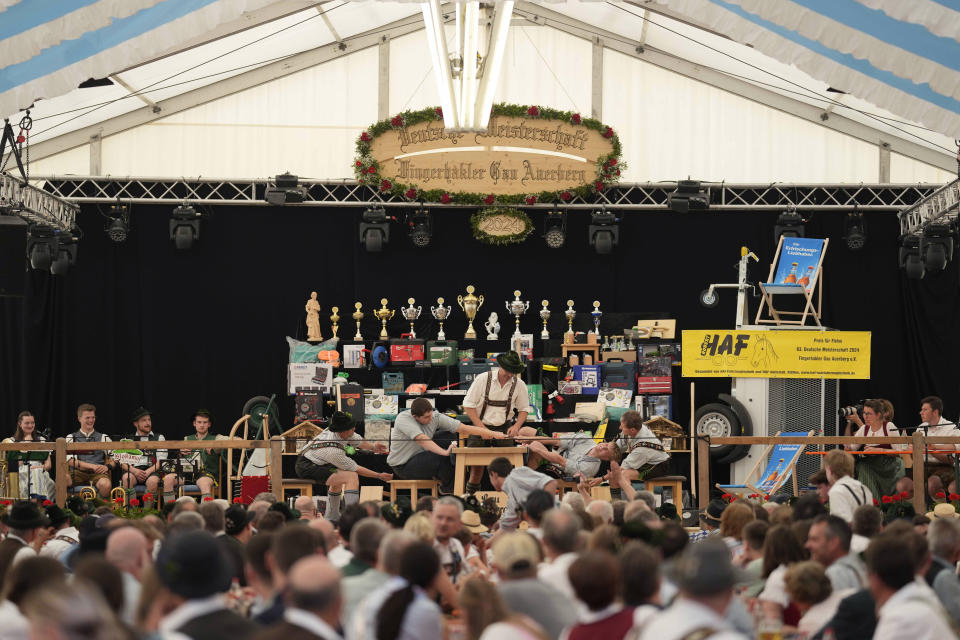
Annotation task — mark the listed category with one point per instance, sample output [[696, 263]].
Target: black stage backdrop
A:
[[140, 323]]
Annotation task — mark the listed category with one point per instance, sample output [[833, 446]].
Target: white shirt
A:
[[820, 614], [859, 543], [775, 589], [15, 626], [556, 573], [422, 621], [506, 631], [912, 612], [866, 432], [131, 598], [496, 416], [684, 617], [57, 546], [846, 495], [339, 556], [312, 623], [636, 457], [942, 428], [24, 552], [446, 552]]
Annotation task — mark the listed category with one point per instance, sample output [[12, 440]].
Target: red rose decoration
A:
[[397, 121], [385, 185], [575, 118], [941, 495], [489, 199], [766, 498], [598, 185], [134, 502], [358, 163], [727, 497], [618, 171], [608, 133], [954, 496], [147, 497], [875, 502], [118, 500], [411, 193], [612, 162], [566, 195], [887, 500], [208, 499], [439, 112], [371, 169], [365, 137], [905, 495], [47, 503], [533, 111], [445, 198], [238, 500], [530, 199]]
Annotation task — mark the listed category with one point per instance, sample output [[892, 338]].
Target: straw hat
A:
[[471, 521], [943, 510]]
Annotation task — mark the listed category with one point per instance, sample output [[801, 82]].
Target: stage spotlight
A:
[[688, 197], [42, 245], [855, 231], [119, 226], [421, 228], [936, 245], [285, 190], [604, 232], [910, 260], [789, 225], [555, 229], [374, 230], [66, 255], [184, 227]]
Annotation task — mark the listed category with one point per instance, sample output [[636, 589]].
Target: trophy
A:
[[334, 318], [517, 307], [544, 315], [492, 326], [470, 305], [358, 316], [571, 314], [411, 314], [440, 313], [596, 314], [383, 314]]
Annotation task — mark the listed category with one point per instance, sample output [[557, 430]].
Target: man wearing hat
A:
[[145, 469], [194, 574], [26, 532], [492, 400], [706, 578], [236, 535], [709, 521], [326, 460]]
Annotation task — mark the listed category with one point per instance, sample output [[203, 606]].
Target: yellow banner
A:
[[776, 354]]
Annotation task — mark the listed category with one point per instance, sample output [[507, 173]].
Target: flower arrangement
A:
[[896, 506]]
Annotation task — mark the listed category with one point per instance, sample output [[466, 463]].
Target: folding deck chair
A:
[[781, 466]]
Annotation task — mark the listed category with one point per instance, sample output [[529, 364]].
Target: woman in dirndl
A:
[[32, 467], [879, 472]]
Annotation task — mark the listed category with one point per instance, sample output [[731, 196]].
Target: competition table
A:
[[481, 457]]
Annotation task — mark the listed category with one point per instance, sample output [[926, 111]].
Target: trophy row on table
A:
[[470, 304]]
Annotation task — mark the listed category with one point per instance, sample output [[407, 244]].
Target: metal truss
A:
[[36, 205], [940, 205], [637, 196]]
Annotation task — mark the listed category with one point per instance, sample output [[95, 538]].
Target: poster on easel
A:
[[798, 265]]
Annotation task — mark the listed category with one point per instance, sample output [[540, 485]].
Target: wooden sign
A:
[[519, 154]]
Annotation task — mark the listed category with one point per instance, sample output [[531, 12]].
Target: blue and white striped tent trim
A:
[[48, 47], [901, 56]]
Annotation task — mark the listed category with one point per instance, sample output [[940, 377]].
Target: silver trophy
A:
[[411, 314], [596, 314], [544, 315], [492, 325], [440, 314], [517, 307], [571, 314]]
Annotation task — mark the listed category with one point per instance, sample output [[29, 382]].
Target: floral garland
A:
[[367, 169], [476, 220]]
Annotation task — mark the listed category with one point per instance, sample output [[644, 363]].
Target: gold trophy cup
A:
[[383, 314], [470, 305], [334, 319], [358, 316]]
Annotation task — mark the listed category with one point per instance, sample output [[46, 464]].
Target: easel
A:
[[770, 288]]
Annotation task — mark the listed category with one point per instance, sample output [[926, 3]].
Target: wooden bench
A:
[[674, 483], [413, 486], [600, 492]]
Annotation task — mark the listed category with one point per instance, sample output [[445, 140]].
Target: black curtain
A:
[[140, 323]]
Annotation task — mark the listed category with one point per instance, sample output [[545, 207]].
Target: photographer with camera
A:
[[878, 472]]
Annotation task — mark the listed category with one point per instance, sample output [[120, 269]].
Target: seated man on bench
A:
[[421, 441], [643, 451], [578, 455], [92, 467], [326, 460]]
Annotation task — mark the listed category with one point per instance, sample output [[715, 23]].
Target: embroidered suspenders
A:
[[646, 445], [508, 403]]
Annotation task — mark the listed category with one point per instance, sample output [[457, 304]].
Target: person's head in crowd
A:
[[29, 575], [465, 537], [944, 537], [595, 578], [647, 497], [283, 509], [867, 521], [185, 521], [640, 569], [606, 537], [498, 470], [818, 480], [630, 423], [129, 550], [266, 496], [77, 613], [237, 523], [801, 528], [838, 464], [257, 564], [391, 550], [59, 519], [710, 517], [734, 518], [618, 508], [586, 520], [291, 544], [601, 511], [348, 518], [828, 539], [184, 503], [891, 566], [25, 520], [158, 524], [446, 518], [372, 507], [753, 536], [425, 503], [573, 501], [921, 524], [538, 502], [560, 533], [515, 556], [306, 506], [781, 515], [104, 577], [271, 521], [673, 540], [704, 574], [472, 531], [212, 516], [314, 586], [482, 606], [634, 509], [365, 540], [807, 584], [808, 507], [931, 408], [905, 485], [760, 512], [886, 410], [421, 526], [192, 566], [781, 546], [419, 567], [258, 508], [327, 530]]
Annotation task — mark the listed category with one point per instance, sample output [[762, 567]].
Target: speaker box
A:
[[13, 252]]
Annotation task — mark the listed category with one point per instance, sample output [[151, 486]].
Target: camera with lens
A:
[[851, 409]]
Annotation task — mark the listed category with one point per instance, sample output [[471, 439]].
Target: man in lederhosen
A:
[[491, 402], [642, 450], [147, 470]]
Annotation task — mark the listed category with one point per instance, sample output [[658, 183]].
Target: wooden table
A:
[[481, 457]]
